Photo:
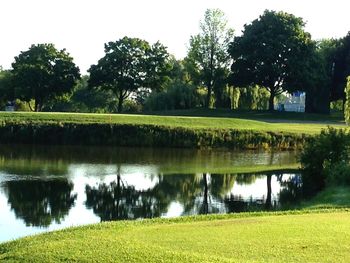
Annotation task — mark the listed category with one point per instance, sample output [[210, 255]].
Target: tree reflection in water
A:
[[197, 193], [292, 191], [39, 203], [116, 201]]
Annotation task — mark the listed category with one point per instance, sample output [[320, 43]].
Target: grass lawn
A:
[[309, 236], [232, 122], [334, 117]]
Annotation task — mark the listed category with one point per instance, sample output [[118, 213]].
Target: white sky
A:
[[83, 26]]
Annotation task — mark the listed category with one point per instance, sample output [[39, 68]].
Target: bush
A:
[[321, 155], [83, 99], [22, 105], [253, 98], [131, 106], [66, 133], [338, 174], [178, 96]]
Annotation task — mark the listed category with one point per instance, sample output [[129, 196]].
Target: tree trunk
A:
[[37, 106], [30, 106], [120, 103], [207, 102], [317, 103], [118, 195], [309, 107], [271, 100], [205, 196], [268, 203]]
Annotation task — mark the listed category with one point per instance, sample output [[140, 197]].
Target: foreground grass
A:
[[317, 236], [173, 121]]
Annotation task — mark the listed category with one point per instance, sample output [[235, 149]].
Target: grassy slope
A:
[[173, 121], [302, 237], [331, 197]]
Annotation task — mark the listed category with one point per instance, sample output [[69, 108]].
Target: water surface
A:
[[49, 188]]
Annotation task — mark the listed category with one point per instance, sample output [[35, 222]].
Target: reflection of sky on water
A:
[[175, 209], [102, 170], [258, 189]]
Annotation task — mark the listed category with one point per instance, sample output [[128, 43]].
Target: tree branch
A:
[[30, 106]]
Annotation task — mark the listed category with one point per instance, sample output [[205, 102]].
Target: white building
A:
[[293, 102]]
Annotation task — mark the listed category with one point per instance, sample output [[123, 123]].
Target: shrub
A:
[[338, 174], [131, 106], [178, 96], [253, 98], [321, 154], [66, 133]]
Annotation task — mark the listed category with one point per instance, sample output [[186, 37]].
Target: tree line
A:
[[273, 55]]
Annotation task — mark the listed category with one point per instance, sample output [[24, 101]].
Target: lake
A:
[[46, 188]]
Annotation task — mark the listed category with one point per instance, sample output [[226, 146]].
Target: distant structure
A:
[[294, 102], [10, 106]]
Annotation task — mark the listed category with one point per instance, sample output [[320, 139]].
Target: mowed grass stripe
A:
[[295, 237], [169, 121]]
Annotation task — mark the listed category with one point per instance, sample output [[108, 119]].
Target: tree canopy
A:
[[6, 86], [208, 54], [340, 67], [270, 53], [130, 64], [42, 73]]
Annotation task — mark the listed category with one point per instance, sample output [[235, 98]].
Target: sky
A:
[[83, 26]]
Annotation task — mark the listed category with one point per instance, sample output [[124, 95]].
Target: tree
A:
[[158, 67], [340, 62], [315, 77], [270, 53], [6, 87], [84, 99], [129, 65], [42, 73], [208, 54]]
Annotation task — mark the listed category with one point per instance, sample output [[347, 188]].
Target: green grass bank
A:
[[299, 236], [149, 130]]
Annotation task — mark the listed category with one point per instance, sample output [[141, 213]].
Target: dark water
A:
[[48, 188]]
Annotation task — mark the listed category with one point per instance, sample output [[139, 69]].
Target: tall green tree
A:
[[6, 87], [340, 68], [42, 73], [315, 76], [84, 99], [158, 67], [270, 53], [130, 65], [208, 55]]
